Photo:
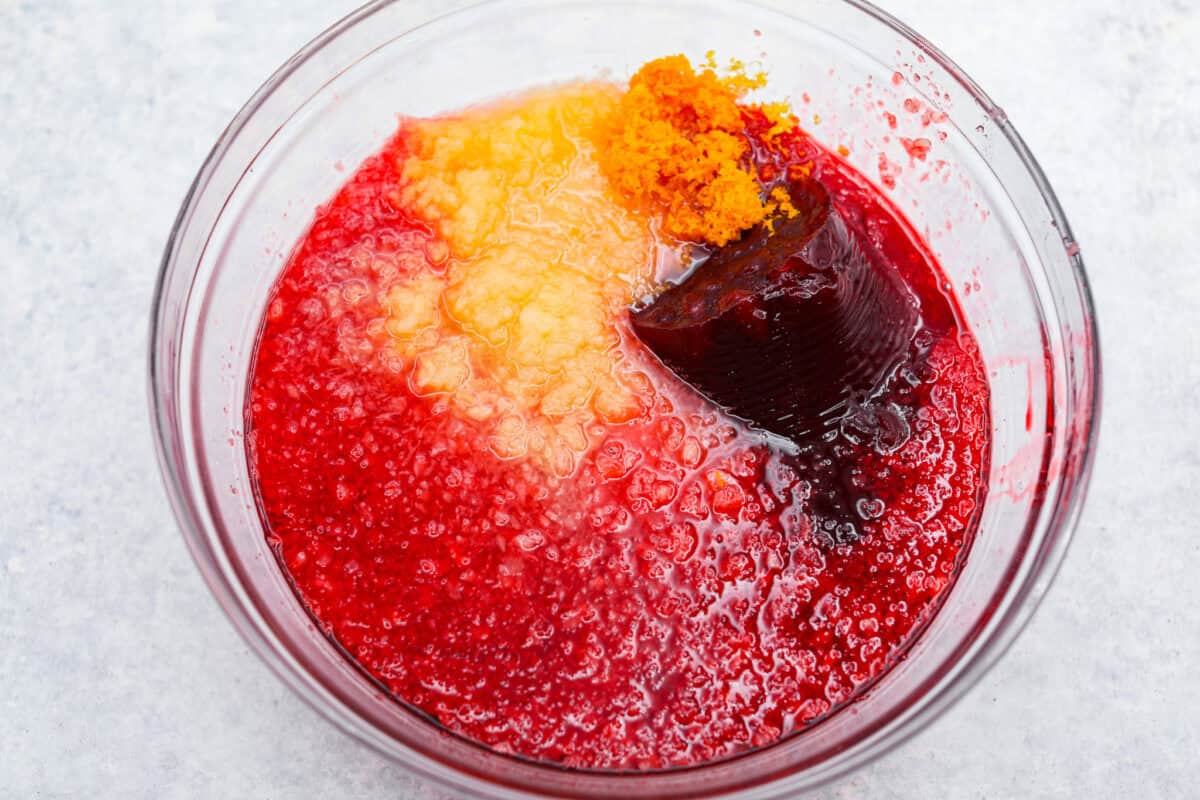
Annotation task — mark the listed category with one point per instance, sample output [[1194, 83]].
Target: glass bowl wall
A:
[[978, 198]]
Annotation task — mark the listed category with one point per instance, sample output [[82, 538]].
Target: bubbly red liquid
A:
[[676, 600]]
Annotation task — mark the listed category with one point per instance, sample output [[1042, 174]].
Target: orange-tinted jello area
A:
[[511, 514]]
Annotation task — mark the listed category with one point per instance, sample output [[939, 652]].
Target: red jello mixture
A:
[[663, 594]]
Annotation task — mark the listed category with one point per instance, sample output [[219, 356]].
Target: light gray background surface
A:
[[119, 676]]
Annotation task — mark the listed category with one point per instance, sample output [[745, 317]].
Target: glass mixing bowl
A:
[[857, 78]]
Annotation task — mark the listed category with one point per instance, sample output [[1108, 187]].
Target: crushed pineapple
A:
[[520, 330]]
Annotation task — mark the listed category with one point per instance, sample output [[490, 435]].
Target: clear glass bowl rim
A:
[[1045, 561]]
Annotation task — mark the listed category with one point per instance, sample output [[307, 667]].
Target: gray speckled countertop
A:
[[119, 676]]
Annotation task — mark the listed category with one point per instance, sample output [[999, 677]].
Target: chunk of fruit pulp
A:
[[786, 325]]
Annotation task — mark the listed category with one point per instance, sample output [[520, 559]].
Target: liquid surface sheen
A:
[[487, 490]]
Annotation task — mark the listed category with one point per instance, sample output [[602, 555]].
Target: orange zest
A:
[[676, 147]]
